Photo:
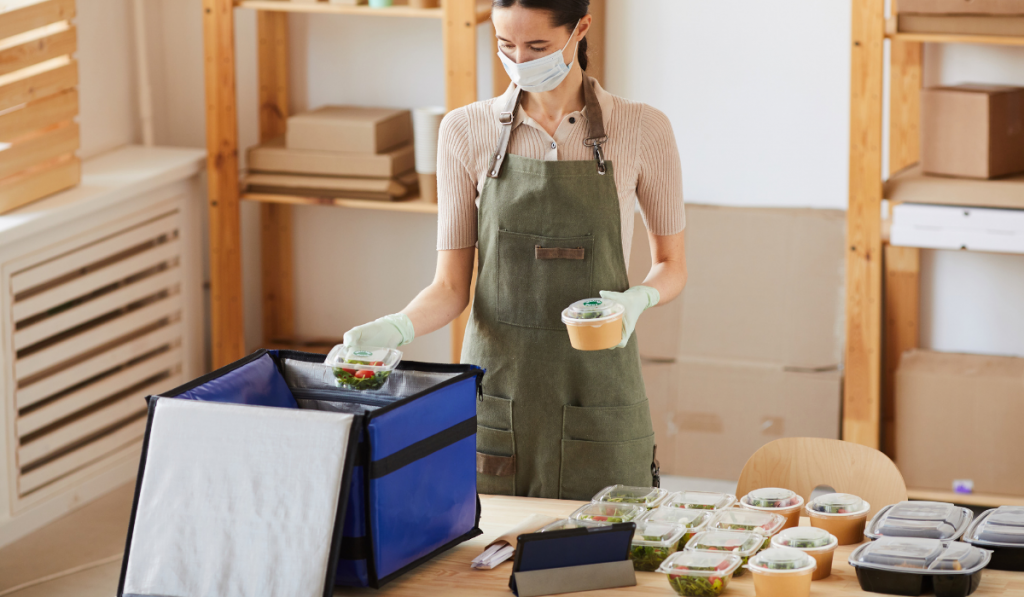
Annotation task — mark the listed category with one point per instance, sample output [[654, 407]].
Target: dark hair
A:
[[564, 13]]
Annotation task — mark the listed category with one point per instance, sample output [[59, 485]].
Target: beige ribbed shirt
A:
[[640, 146]]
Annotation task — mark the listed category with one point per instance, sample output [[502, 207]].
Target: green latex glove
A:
[[636, 300], [390, 331]]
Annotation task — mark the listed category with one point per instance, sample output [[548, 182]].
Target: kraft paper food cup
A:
[[841, 514], [594, 324], [793, 581], [815, 542], [784, 502]]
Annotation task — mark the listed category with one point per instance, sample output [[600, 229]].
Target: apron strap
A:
[[594, 116], [508, 115]]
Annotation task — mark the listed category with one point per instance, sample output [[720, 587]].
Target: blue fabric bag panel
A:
[[352, 565], [422, 475], [253, 380]]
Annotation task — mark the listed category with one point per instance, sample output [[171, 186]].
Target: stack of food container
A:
[[912, 566], [741, 543], [817, 543], [338, 151], [1000, 530]]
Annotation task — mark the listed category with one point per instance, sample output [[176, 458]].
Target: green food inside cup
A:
[[698, 586], [647, 558]]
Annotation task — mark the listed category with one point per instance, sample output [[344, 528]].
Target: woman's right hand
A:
[[390, 331]]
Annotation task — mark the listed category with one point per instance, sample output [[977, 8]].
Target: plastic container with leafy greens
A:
[[742, 543], [700, 573], [362, 368], [649, 497], [603, 513], [735, 519], [653, 542], [694, 521], [699, 500]]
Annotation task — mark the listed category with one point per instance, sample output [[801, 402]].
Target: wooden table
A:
[[450, 574]]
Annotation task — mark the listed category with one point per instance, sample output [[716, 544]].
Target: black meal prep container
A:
[[925, 520], [912, 566], [1000, 530]]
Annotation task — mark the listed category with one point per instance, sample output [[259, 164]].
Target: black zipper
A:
[[334, 396]]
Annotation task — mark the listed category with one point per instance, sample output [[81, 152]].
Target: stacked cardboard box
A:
[[751, 352], [339, 151], [962, 17]]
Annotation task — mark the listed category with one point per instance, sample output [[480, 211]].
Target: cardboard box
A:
[[711, 416], [978, 7], [913, 186], [764, 285], [349, 129], [273, 156], [958, 417], [1002, 26], [974, 131], [334, 187]]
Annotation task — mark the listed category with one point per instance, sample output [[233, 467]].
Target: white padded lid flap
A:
[[237, 501]]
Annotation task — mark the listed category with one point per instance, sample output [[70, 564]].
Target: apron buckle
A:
[[596, 143]]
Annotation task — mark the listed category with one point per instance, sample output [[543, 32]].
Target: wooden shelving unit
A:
[[883, 281], [459, 20]]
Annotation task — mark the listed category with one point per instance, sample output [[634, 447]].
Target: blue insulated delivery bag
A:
[[413, 483]]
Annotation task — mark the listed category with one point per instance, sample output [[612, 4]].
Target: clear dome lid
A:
[[921, 556], [772, 497], [593, 309], [838, 503], [930, 520], [734, 519], [1000, 527], [700, 500], [701, 563], [645, 496], [742, 543], [690, 519], [657, 534], [603, 513], [781, 558], [363, 358], [804, 538]]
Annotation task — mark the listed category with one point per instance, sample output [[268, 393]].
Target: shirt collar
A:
[[603, 98]]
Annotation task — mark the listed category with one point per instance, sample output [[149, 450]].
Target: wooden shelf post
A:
[[227, 331], [862, 382]]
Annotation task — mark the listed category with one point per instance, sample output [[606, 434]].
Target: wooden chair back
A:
[[803, 463]]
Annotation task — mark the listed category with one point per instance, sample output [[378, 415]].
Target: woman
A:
[[555, 162]]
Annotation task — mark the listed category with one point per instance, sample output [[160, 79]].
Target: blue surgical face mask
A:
[[542, 74]]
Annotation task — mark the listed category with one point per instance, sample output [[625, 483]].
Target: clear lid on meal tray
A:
[[929, 520], [734, 519], [772, 497], [741, 543], [920, 556], [648, 497], [592, 310], [999, 527], [700, 500]]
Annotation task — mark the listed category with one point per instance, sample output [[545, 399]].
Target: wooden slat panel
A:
[[38, 115], [22, 189], [83, 343], [73, 432], [459, 33], [902, 304], [114, 272], [226, 322], [97, 392], [81, 256], [45, 147], [277, 280], [122, 297], [862, 380], [38, 50], [904, 105], [35, 16], [38, 86], [72, 375], [51, 471]]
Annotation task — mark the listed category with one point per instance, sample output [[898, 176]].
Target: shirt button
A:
[[572, 120], [553, 145]]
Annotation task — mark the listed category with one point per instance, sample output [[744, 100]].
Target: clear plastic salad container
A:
[[842, 514], [648, 497], [928, 520], [653, 542], [700, 500], [603, 513], [560, 525], [362, 368], [775, 499], [735, 519], [782, 572], [742, 543], [700, 573], [1002, 531], [594, 323], [817, 543], [694, 521], [911, 566]]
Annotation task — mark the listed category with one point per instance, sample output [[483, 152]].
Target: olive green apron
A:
[[553, 422]]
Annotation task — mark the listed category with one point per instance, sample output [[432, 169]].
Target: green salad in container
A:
[[772, 497], [649, 497], [362, 368], [603, 513], [781, 558], [837, 503], [741, 543], [693, 521], [653, 542], [700, 574], [764, 523], [700, 500]]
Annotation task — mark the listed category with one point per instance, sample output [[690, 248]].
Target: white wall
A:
[[758, 94]]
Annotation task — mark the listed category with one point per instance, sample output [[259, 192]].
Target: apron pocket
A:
[[494, 412], [588, 466], [495, 461], [535, 284], [607, 423]]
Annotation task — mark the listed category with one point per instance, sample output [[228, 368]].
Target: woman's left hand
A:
[[636, 300]]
